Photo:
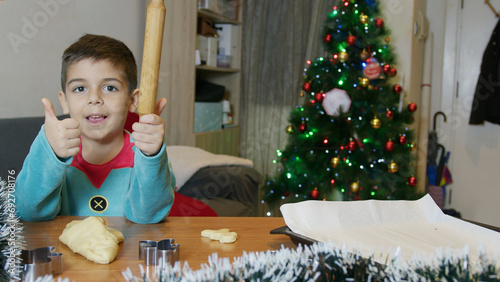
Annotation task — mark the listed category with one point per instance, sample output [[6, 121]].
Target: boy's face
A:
[[97, 96]]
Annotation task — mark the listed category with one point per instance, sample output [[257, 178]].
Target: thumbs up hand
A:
[[63, 135], [149, 132]]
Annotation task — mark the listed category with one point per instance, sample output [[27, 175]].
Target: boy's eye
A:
[[79, 89], [110, 88]]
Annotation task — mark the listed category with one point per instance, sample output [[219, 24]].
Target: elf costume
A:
[[132, 184]]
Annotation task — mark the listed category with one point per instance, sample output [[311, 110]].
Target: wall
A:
[[461, 31], [399, 16], [34, 34]]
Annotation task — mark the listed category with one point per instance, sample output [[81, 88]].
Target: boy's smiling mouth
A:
[[96, 119]]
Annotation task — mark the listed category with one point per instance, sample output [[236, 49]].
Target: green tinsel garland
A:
[[328, 262]]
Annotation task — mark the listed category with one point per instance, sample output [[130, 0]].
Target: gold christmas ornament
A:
[[413, 146], [364, 55], [387, 39], [376, 123], [364, 81], [354, 187], [343, 56], [335, 162], [301, 94], [289, 129], [363, 19], [393, 167]]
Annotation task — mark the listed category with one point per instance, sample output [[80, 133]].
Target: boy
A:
[[88, 165]]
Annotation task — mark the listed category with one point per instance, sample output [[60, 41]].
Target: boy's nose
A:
[[94, 98]]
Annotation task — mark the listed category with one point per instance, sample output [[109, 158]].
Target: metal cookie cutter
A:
[[159, 252], [40, 262]]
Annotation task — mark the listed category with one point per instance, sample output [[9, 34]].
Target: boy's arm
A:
[[151, 192], [39, 183]]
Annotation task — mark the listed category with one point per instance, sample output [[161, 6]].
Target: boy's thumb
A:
[[160, 105], [49, 109]]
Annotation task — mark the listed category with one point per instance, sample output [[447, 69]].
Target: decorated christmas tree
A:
[[350, 139]]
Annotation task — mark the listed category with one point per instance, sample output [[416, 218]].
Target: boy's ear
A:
[[134, 101], [64, 103]]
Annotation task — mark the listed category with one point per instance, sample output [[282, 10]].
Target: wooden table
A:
[[253, 236]]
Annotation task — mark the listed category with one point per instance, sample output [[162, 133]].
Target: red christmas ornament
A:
[[351, 40], [314, 194], [318, 97], [306, 86], [389, 146], [351, 145], [389, 114], [397, 89], [387, 69], [379, 23], [412, 107], [286, 194], [302, 127], [328, 38], [412, 181], [403, 140], [393, 72]]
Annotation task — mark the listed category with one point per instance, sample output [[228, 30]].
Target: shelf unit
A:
[[178, 77]]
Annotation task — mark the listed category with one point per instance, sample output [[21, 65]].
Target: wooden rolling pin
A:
[[153, 39]]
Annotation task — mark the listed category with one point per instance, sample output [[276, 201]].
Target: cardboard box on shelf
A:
[[208, 49]]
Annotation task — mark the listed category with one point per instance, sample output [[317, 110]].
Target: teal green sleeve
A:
[[39, 183], [151, 192]]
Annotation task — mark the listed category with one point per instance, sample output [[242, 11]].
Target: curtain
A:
[[278, 37]]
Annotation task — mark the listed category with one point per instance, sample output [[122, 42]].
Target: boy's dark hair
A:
[[98, 48]]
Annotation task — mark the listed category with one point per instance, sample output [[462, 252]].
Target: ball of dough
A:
[[92, 239]]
